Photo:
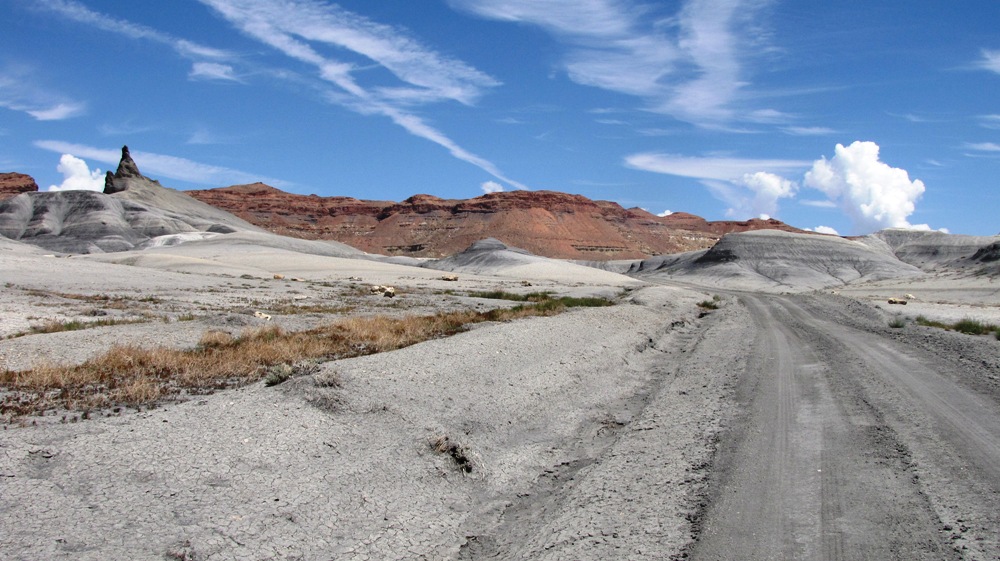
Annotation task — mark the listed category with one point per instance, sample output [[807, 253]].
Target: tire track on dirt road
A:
[[810, 469]]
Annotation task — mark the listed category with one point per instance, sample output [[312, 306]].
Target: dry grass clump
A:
[[135, 376], [56, 326]]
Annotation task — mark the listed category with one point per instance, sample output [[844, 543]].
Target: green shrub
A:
[[897, 323], [921, 320], [967, 325], [973, 327], [708, 305]]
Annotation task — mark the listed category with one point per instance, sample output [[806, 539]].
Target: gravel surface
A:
[[774, 427], [857, 441], [555, 418]]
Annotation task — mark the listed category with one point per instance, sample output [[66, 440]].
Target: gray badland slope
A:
[[493, 257], [776, 260], [485, 256], [937, 251], [133, 210]]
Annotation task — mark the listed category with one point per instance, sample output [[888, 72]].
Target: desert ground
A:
[[692, 419]]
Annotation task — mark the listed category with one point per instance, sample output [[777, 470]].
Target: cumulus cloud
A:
[[824, 230], [873, 194], [665, 213], [77, 175], [491, 187]]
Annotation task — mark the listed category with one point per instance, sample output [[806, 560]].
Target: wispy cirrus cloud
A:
[[990, 60], [808, 131], [79, 13], [725, 169], [750, 187], [162, 165], [213, 71], [983, 146], [19, 91], [297, 27], [989, 121], [688, 64]]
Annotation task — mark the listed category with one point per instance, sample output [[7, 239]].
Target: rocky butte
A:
[[547, 223], [13, 184]]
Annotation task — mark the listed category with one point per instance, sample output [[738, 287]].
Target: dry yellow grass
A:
[[130, 375]]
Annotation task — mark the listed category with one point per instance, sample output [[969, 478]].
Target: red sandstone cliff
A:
[[13, 184], [546, 223]]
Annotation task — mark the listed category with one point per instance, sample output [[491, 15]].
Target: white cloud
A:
[[212, 71], [990, 60], [824, 230], [57, 112], [754, 194], [808, 131], [161, 165], [727, 169], [426, 75], [77, 176], [75, 11], [289, 27], [688, 64], [665, 213], [873, 194], [989, 121], [983, 146], [750, 187], [818, 204], [491, 187], [19, 92]]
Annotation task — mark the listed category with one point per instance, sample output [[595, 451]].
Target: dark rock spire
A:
[[126, 169]]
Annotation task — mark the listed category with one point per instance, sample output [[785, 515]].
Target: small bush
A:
[[897, 323], [921, 320], [501, 295], [973, 327], [444, 445], [967, 325], [708, 305]]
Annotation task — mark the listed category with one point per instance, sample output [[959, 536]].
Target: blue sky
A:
[[845, 116]]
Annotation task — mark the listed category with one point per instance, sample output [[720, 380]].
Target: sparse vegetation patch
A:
[[135, 376], [56, 326], [968, 326]]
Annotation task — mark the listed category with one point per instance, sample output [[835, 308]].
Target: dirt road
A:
[[856, 441]]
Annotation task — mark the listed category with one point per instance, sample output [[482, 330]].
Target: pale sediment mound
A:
[[774, 260], [133, 210], [493, 257]]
